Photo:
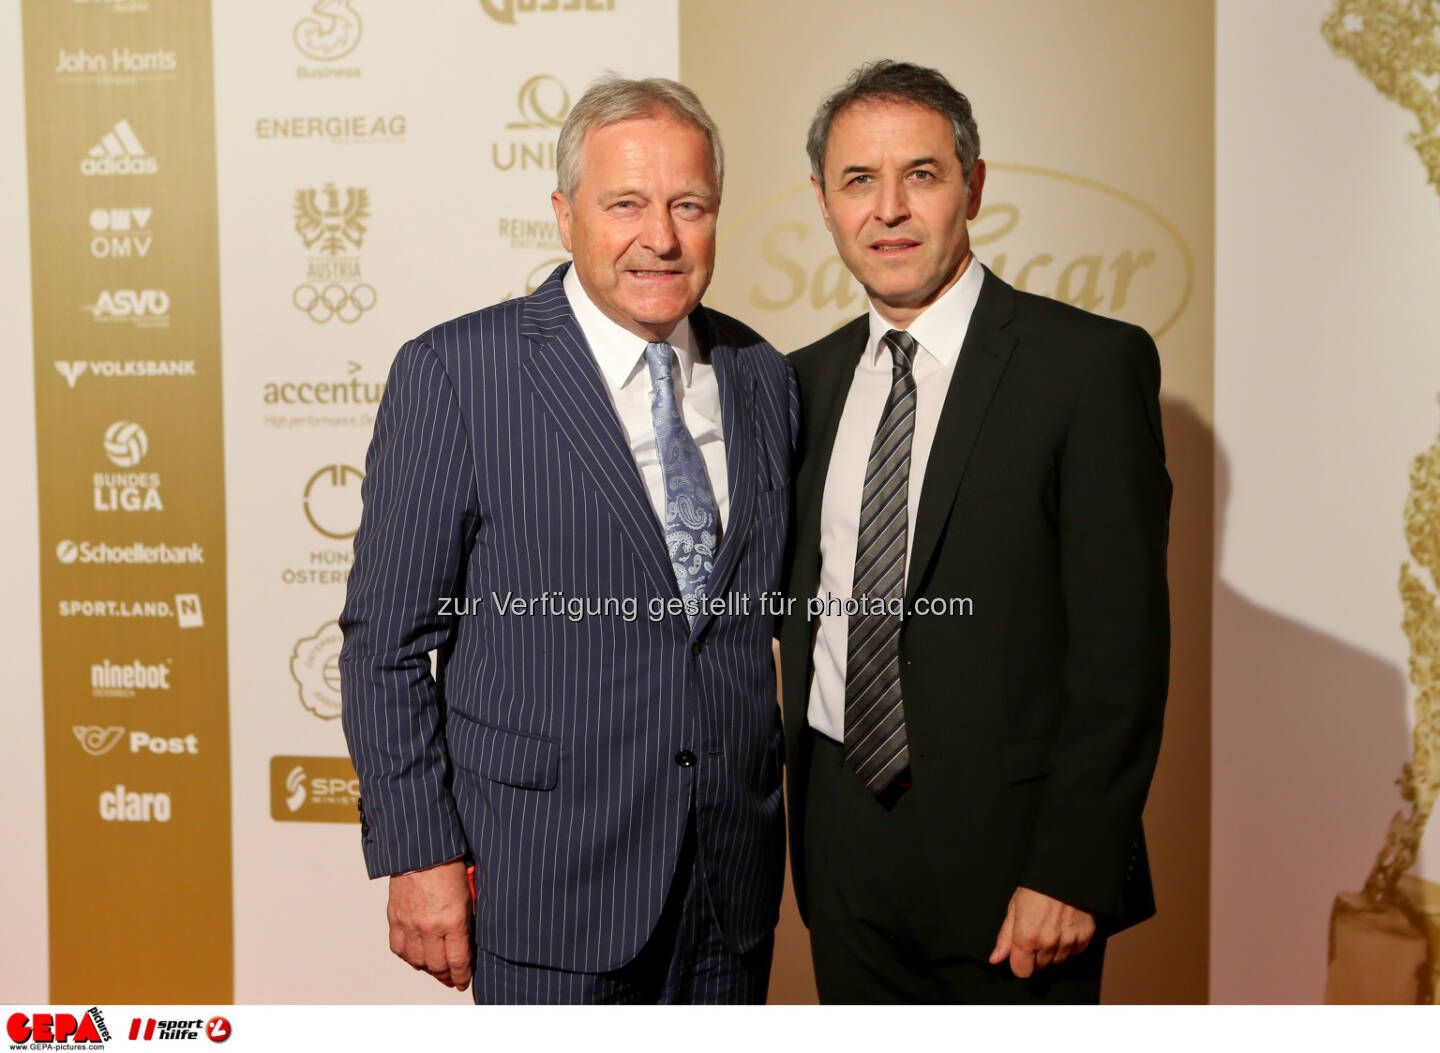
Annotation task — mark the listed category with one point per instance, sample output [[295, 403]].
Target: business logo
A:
[[119, 152], [111, 369], [59, 1029], [315, 668], [1046, 231], [127, 679], [132, 806], [142, 308], [121, 65], [120, 233], [504, 11], [340, 129], [136, 553], [185, 610], [96, 740], [149, 1029], [313, 790], [543, 103], [330, 32], [328, 401], [332, 226]]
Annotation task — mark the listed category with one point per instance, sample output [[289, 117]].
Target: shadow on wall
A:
[[1312, 733]]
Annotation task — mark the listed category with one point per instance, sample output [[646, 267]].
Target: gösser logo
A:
[[58, 1028], [504, 10], [119, 152], [331, 34]]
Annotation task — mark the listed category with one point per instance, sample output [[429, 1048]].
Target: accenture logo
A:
[[118, 153]]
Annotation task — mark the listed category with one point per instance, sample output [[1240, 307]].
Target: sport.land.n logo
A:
[[119, 152]]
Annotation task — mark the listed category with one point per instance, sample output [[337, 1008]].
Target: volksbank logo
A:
[[127, 679], [504, 11], [119, 152], [136, 553], [135, 368], [143, 308], [120, 233]]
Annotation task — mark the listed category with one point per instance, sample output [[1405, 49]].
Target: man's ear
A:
[[820, 198], [976, 186], [562, 217]]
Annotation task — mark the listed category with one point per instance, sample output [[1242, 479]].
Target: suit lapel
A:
[[822, 410], [737, 408], [983, 357], [568, 382]]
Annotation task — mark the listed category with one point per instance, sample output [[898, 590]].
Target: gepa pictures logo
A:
[[58, 1029]]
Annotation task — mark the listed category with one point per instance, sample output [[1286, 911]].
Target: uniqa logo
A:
[[331, 34], [1042, 230]]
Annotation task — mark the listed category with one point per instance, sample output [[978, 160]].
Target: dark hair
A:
[[887, 81]]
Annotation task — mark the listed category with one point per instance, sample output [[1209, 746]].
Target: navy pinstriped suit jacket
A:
[[546, 750]]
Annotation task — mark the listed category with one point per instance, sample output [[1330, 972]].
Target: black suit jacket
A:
[[1033, 722]]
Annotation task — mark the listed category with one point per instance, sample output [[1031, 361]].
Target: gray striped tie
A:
[[875, 745]]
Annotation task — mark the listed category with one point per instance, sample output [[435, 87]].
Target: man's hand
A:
[[1040, 930], [430, 916]]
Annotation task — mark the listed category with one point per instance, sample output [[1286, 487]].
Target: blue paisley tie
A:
[[692, 528]]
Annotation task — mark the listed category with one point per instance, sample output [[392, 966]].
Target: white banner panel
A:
[[383, 167], [1328, 258]]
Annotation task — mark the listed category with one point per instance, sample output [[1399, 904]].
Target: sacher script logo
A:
[[504, 11], [1042, 230]]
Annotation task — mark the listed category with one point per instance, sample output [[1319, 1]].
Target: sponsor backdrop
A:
[[234, 214]]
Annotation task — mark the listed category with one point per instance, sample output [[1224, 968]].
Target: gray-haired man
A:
[[606, 751]]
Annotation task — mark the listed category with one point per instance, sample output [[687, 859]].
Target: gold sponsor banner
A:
[[314, 790], [121, 152]]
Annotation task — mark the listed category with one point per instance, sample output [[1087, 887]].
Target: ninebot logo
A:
[[315, 667], [125, 444], [96, 740], [119, 152], [331, 34], [332, 501]]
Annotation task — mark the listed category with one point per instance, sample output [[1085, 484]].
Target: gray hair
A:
[[613, 99], [887, 81]]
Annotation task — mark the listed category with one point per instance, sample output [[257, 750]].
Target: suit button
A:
[[696, 648], [685, 759]]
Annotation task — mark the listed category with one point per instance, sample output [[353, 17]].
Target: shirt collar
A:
[[940, 329], [619, 352]]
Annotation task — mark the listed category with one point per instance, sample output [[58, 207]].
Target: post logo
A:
[[119, 233], [503, 11], [313, 790], [96, 740], [119, 152], [331, 33], [126, 444], [61, 1029], [315, 668]]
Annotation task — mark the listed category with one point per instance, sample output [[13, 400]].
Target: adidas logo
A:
[[118, 153]]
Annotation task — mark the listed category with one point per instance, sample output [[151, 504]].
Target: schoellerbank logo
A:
[[119, 153], [136, 553], [57, 1029], [186, 610]]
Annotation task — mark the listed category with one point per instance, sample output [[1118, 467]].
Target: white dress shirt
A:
[[621, 357], [939, 331]]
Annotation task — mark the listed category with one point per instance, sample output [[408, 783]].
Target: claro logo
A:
[[1042, 230]]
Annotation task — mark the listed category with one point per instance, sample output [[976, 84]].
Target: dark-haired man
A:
[[971, 746]]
